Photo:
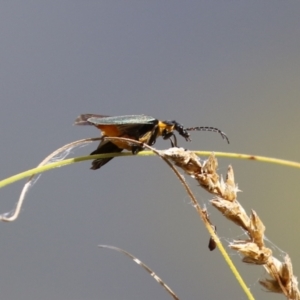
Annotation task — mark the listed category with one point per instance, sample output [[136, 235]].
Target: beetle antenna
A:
[[213, 129]]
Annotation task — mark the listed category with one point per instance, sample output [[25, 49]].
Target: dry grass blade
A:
[[253, 248], [144, 266], [13, 215]]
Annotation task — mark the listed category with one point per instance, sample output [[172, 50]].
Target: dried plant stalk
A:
[[214, 241], [252, 249], [145, 267]]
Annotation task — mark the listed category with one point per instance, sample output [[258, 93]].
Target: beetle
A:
[[144, 129]]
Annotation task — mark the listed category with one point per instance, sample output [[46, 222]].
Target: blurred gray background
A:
[[229, 64]]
